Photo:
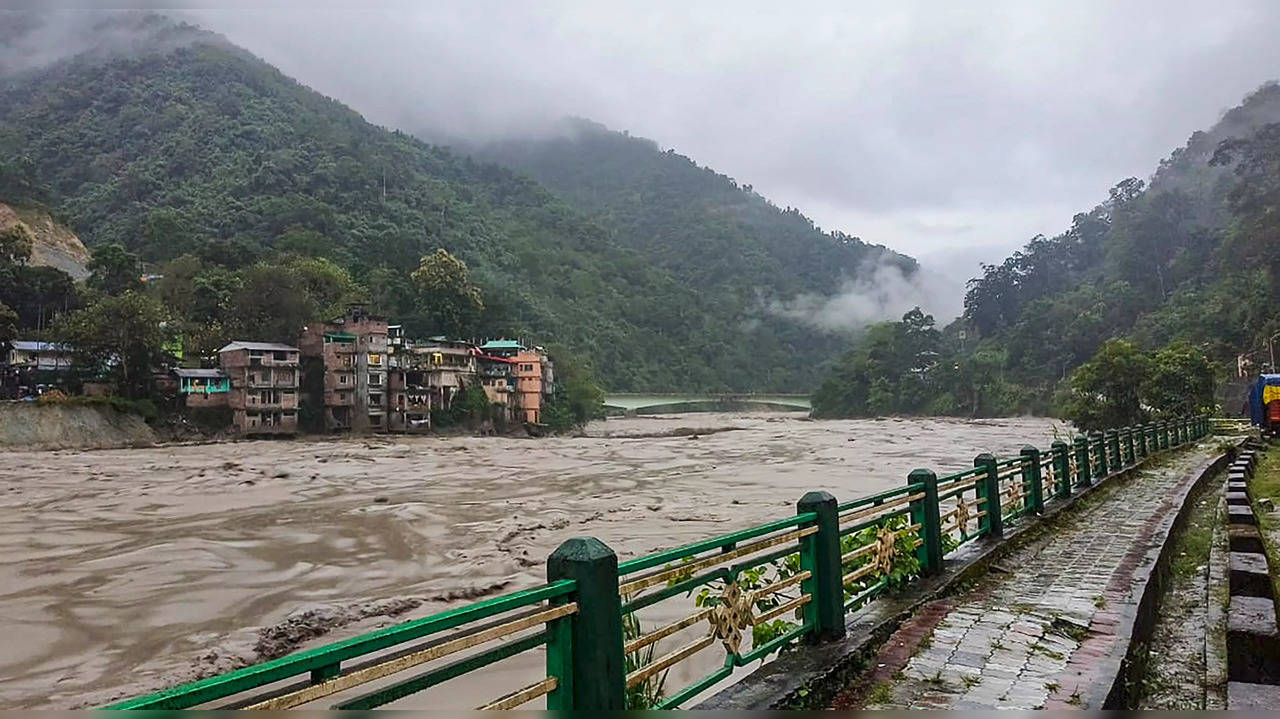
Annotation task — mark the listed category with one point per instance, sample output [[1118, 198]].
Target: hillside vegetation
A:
[[1187, 263], [187, 149], [701, 226]]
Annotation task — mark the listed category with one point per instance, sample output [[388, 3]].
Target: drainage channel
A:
[[1253, 634]]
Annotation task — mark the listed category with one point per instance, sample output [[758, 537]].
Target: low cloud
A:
[[880, 292]]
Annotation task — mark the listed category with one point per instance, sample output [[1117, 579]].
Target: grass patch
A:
[[881, 693], [1265, 484], [1191, 549], [1038, 647]]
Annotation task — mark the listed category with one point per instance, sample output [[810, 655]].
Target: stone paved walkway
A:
[[1034, 631]]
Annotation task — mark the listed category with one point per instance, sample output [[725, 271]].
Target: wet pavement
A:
[[1034, 631]]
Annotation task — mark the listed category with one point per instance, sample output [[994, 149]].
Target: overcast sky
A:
[[928, 127]]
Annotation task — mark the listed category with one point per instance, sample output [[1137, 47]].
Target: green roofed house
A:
[[502, 348], [203, 387]]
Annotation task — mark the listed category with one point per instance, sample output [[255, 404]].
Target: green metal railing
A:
[[754, 591]]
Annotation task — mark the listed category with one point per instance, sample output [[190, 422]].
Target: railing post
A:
[[1162, 432], [926, 513], [1083, 473], [1061, 469], [589, 653], [820, 556], [1031, 463], [1112, 450], [1130, 458], [1140, 443], [1100, 449], [988, 486]]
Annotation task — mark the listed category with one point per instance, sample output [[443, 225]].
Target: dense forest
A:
[[1185, 264], [702, 227], [210, 165]]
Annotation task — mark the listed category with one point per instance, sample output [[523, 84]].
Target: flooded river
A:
[[123, 571]]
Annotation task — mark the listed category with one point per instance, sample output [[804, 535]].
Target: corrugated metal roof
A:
[[200, 373], [270, 346], [502, 345], [30, 346]]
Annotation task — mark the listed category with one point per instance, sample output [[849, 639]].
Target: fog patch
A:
[[880, 292]]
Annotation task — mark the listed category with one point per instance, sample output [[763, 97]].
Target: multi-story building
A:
[[497, 376], [346, 366], [428, 375], [532, 375], [263, 393]]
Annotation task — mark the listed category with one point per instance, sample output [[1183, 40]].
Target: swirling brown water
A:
[[122, 571]]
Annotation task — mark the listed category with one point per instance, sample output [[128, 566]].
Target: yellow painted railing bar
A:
[[661, 577], [399, 664], [878, 508], [667, 660], [663, 632], [520, 696], [781, 609]]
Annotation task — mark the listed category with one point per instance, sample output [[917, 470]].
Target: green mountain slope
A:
[[702, 226], [1191, 256], [185, 144]]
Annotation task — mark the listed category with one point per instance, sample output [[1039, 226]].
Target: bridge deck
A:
[[1043, 628]]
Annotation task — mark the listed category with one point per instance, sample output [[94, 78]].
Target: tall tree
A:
[[1105, 390], [121, 337], [445, 293], [114, 270]]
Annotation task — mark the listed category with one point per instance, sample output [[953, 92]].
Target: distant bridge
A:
[[649, 403]]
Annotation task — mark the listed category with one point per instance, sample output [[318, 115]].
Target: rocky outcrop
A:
[[55, 244]]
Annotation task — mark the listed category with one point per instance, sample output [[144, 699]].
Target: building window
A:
[[342, 379], [375, 380], [375, 398], [375, 359]]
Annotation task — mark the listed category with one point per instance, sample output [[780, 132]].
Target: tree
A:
[[445, 293], [120, 337], [1180, 381], [576, 398], [1105, 391], [16, 242], [8, 326], [272, 301], [114, 270]]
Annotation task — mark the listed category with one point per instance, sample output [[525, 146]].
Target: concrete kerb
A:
[[1127, 659], [812, 676]]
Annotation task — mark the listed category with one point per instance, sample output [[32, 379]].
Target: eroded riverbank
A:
[[127, 570]]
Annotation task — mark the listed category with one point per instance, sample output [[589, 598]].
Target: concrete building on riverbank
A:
[[532, 377], [346, 364], [263, 394]]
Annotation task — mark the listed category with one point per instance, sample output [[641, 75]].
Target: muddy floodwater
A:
[[124, 571]]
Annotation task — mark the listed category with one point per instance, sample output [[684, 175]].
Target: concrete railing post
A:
[[589, 652], [1061, 469], [987, 486], [1083, 472], [926, 513], [820, 556], [1099, 441], [1034, 502]]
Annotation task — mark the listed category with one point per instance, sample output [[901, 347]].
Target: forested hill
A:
[[184, 146], [1192, 256], [701, 225]]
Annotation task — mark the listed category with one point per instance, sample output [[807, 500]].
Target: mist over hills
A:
[[174, 142]]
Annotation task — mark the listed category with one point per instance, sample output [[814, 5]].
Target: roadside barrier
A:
[[754, 591]]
